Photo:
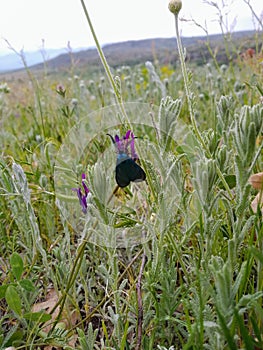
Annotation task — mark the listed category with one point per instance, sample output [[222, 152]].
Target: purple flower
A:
[[60, 89], [82, 197], [123, 144], [134, 155]]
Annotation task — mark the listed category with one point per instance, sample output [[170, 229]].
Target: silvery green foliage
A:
[[247, 127], [117, 81], [204, 179], [4, 89], [15, 186], [99, 179], [155, 78], [20, 183], [87, 342], [225, 116], [245, 134], [21, 186], [168, 114], [165, 176], [228, 283]]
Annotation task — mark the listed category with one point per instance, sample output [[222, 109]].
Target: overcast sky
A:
[[24, 23]]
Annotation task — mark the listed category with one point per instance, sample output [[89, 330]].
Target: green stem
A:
[[72, 277], [74, 273], [105, 63], [186, 85], [255, 159], [190, 105]]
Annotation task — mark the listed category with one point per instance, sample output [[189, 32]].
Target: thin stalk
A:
[[74, 272], [105, 63], [36, 89], [254, 13], [140, 304], [186, 86], [107, 296], [255, 159], [190, 105]]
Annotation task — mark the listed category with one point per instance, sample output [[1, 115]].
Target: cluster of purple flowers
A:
[[123, 144], [82, 196], [125, 152]]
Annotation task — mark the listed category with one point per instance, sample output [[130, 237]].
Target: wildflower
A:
[[4, 88], [248, 54], [123, 144], [82, 197], [127, 169], [82, 84], [74, 102], [60, 89], [175, 6]]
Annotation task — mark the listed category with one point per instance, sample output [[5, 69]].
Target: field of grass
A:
[[173, 262]]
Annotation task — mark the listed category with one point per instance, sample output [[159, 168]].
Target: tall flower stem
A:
[[104, 62], [175, 7], [186, 79]]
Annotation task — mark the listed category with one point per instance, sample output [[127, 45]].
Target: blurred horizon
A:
[[30, 26]]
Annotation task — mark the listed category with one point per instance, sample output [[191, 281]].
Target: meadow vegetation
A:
[[186, 268]]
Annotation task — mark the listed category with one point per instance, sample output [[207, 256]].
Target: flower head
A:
[[122, 144], [175, 6], [60, 89], [82, 196]]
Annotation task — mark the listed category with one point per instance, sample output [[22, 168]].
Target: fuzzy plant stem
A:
[[175, 7], [175, 10], [104, 62], [140, 304]]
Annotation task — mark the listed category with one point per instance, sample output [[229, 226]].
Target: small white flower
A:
[[74, 102]]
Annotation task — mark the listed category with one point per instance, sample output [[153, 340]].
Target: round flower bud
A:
[[175, 6]]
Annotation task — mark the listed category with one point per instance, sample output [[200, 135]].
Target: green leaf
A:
[[27, 285], [257, 254], [243, 330], [230, 180], [229, 337], [3, 289], [13, 336], [17, 265], [13, 300], [37, 316]]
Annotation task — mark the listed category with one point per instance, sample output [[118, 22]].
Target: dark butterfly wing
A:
[[128, 171]]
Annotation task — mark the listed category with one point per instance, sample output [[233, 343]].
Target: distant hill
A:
[[12, 61], [135, 52], [163, 50]]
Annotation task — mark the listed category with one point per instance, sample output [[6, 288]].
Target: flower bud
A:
[[175, 6]]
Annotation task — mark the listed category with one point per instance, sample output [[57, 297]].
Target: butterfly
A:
[[127, 170]]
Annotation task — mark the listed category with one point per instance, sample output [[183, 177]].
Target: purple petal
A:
[[84, 205], [82, 197], [127, 136], [86, 189], [79, 194], [133, 153]]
